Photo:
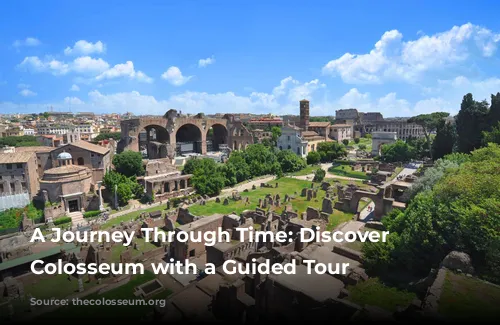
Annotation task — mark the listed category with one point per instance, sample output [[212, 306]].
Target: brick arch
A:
[[383, 204]]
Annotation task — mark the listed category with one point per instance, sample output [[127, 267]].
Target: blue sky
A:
[[401, 58]]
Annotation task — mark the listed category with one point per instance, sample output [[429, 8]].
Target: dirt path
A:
[[245, 186]]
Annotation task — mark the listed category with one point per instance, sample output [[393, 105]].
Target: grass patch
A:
[[286, 185], [365, 141], [310, 169], [130, 216], [469, 299], [344, 170], [373, 292], [125, 291]]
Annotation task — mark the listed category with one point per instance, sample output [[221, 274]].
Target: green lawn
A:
[[365, 141], [126, 291], [286, 185], [130, 216], [373, 292], [469, 299], [345, 170], [310, 169], [144, 247]]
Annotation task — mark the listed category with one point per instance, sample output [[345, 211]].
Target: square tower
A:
[[304, 114]]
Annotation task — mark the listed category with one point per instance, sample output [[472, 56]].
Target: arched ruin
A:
[[174, 134]]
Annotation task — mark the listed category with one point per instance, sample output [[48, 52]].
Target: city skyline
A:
[[398, 59]]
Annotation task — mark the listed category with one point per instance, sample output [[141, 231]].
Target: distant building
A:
[[19, 179], [266, 122], [304, 115], [291, 139], [94, 157], [340, 132]]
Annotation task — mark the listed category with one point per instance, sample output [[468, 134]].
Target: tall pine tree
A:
[[445, 139], [471, 121]]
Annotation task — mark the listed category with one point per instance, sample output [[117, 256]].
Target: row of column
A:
[[7, 187]]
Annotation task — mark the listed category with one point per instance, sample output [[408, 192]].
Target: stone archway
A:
[[217, 135], [188, 139], [154, 141]]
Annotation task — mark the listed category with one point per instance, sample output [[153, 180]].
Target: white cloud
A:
[[205, 62], [394, 59], [29, 41], [174, 76], [124, 70], [74, 88], [23, 86], [34, 64], [86, 64], [73, 101], [27, 93], [83, 47]]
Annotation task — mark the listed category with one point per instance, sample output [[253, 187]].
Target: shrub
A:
[[313, 158], [319, 175], [356, 140], [91, 214], [62, 220], [345, 142]]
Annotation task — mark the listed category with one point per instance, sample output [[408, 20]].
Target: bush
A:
[[362, 147], [62, 220], [91, 214], [313, 158], [356, 140], [290, 162], [368, 136], [345, 142], [319, 175]]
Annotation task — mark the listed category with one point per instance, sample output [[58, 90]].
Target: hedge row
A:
[[62, 220], [91, 214]]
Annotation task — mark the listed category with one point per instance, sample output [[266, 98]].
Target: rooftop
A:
[[38, 256], [34, 149], [319, 124], [88, 146], [16, 157]]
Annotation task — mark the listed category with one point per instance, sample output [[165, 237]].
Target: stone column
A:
[[99, 188]]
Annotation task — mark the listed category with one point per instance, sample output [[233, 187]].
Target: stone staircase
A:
[[77, 219]]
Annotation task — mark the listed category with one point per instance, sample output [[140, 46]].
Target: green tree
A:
[[368, 136], [191, 165], [492, 136], [11, 218], [362, 147], [124, 193], [429, 123], [129, 163], [356, 140], [276, 131], [471, 122], [345, 142], [208, 178], [420, 147], [313, 158], [329, 151], [261, 160], [399, 151], [237, 160], [111, 135], [444, 141], [494, 113], [290, 162], [46, 115], [459, 212], [319, 175]]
